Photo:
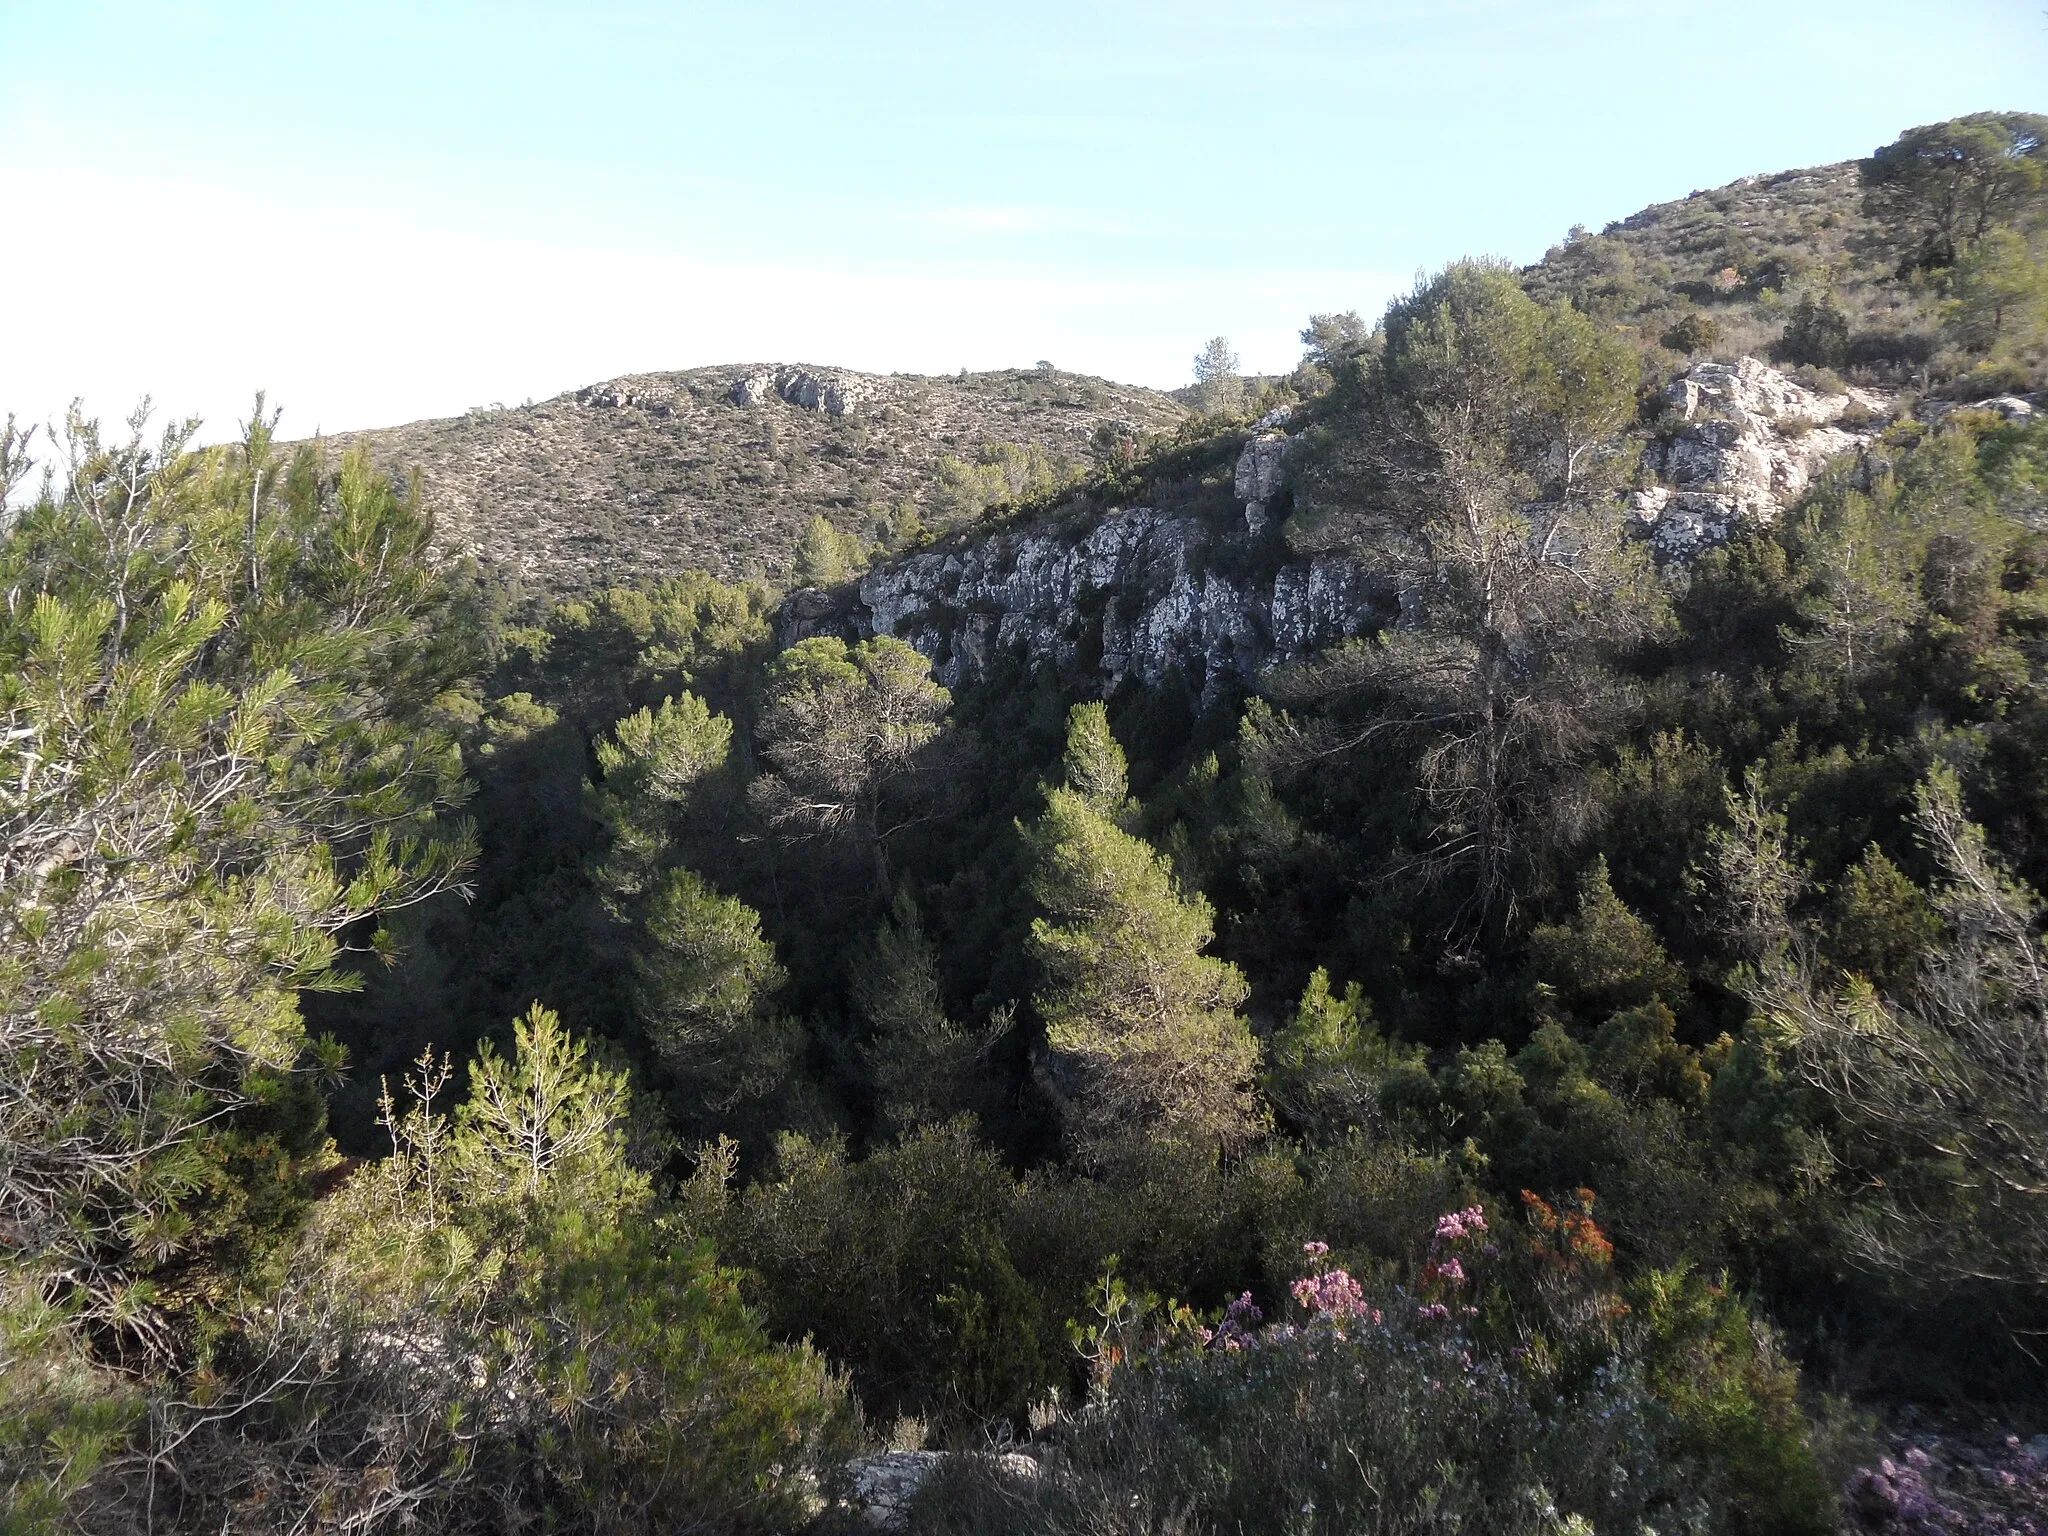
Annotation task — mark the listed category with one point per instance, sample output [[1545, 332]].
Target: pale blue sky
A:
[[387, 210]]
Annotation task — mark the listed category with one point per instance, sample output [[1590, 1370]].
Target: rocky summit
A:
[[722, 469]]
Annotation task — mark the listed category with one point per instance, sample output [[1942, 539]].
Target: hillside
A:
[[649, 474], [1449, 942], [1797, 266], [1729, 253], [724, 468]]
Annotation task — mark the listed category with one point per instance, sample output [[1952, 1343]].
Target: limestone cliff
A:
[[1136, 592]]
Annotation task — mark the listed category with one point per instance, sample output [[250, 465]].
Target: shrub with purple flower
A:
[[1240, 1325], [1356, 1415], [1917, 1496], [1330, 1293], [1444, 1279]]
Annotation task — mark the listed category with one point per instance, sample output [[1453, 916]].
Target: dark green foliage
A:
[[1536, 1400], [1882, 923], [1941, 188], [901, 1266], [1734, 1402], [1693, 332], [1606, 958], [1817, 333], [1704, 896], [1594, 1034]]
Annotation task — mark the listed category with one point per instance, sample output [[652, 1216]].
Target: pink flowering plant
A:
[[1348, 1408], [1446, 1285], [1330, 1293], [1916, 1495], [1503, 1380]]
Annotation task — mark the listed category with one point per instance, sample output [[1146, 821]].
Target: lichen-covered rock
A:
[[755, 388], [618, 395], [882, 1487], [1259, 467], [833, 393], [1749, 441], [1137, 594], [2011, 407]]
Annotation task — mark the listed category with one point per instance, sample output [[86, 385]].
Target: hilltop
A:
[[723, 468]]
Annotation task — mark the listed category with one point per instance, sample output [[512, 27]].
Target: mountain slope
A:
[[723, 468]]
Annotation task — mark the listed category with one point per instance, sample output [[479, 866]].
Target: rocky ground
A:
[[723, 468]]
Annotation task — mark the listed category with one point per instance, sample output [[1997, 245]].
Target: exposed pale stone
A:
[[1259, 467], [1749, 442], [834, 394], [2011, 407], [618, 395], [756, 388], [1147, 592], [1141, 581], [882, 1488]]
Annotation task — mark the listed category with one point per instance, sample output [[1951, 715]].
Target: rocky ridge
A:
[[1137, 593], [722, 468]]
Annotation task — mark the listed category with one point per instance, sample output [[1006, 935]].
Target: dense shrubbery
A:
[[233, 707], [1507, 1386]]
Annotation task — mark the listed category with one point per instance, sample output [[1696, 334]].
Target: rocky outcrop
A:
[[1747, 443], [1258, 479], [619, 395], [2013, 408], [835, 394], [881, 1489], [1137, 593], [755, 388]]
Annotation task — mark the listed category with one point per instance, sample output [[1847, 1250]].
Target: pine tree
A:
[[1217, 382], [1469, 473], [855, 736], [923, 1063], [706, 980], [1141, 1022], [222, 746], [657, 764]]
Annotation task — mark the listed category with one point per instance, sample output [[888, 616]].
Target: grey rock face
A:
[[1136, 595], [834, 394], [1749, 442], [756, 388], [1259, 467], [2011, 407], [620, 396]]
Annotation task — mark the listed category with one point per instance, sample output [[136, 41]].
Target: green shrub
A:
[[1734, 1402], [1399, 1426], [1817, 333], [1695, 331], [899, 1266], [1878, 347]]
